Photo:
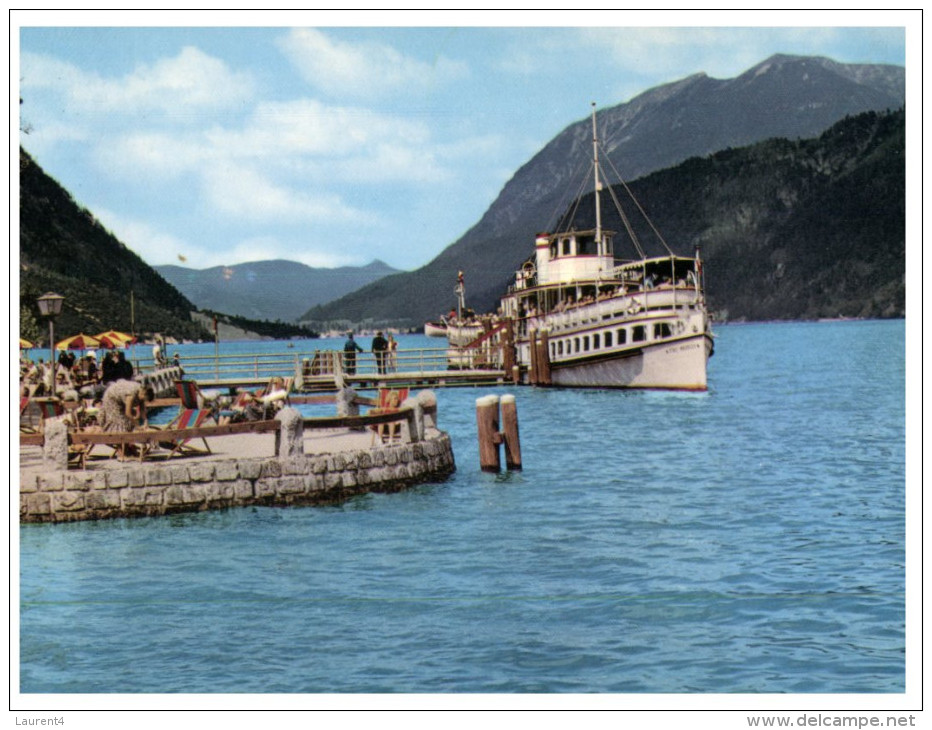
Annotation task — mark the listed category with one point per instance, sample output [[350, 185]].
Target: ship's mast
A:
[[598, 184]]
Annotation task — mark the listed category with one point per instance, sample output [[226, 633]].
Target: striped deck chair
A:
[[390, 400], [287, 384], [49, 408], [192, 414], [275, 395], [24, 427]]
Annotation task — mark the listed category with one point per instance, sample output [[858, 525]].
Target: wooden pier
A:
[[324, 371]]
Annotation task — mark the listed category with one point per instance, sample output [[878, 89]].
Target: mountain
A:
[[788, 229], [787, 97], [63, 248], [272, 290]]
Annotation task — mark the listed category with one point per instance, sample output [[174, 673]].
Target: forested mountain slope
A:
[[783, 97]]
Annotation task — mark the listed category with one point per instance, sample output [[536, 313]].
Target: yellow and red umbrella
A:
[[25, 344], [78, 342], [111, 339]]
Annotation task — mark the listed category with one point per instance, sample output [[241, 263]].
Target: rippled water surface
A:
[[750, 539]]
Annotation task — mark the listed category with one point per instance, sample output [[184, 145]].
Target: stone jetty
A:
[[292, 466]]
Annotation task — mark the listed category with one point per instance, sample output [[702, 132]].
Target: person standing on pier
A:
[[350, 348], [392, 354], [158, 357], [379, 348]]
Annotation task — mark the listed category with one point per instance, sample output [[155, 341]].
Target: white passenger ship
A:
[[578, 317]]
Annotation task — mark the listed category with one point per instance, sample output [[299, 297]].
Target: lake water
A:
[[746, 540]]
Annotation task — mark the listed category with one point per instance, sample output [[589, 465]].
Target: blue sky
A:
[[334, 145]]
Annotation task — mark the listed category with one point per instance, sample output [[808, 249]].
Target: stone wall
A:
[[149, 489], [162, 381], [291, 477]]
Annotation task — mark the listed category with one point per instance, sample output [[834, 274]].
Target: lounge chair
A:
[[49, 408], [192, 414], [262, 403], [23, 406], [271, 394], [390, 400]]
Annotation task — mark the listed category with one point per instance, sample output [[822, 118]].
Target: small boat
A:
[[457, 332], [462, 329], [576, 316], [435, 329]]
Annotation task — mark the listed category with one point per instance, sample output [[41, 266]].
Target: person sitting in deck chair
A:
[[252, 407]]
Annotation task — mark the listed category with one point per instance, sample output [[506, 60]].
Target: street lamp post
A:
[[50, 306]]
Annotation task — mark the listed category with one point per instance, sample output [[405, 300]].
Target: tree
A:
[[28, 326]]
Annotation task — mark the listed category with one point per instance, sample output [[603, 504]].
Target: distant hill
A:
[[783, 97], [272, 290], [63, 248]]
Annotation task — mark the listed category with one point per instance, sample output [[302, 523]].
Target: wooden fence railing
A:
[[156, 436], [306, 364]]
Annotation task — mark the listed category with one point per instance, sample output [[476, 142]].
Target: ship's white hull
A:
[[674, 365], [666, 349], [463, 335]]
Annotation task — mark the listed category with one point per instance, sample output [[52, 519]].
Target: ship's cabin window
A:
[[560, 347], [586, 246], [595, 341], [608, 339], [661, 330], [585, 343], [622, 337], [566, 247], [638, 333], [576, 343]]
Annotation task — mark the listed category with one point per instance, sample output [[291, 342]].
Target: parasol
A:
[[113, 339], [78, 342], [25, 344]]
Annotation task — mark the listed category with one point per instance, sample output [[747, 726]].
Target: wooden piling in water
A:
[[543, 358], [532, 367], [508, 346], [510, 432], [489, 436]]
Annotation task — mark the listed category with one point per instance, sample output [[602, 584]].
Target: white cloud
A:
[[149, 155], [675, 52], [177, 87], [152, 246], [308, 126], [289, 144], [40, 138], [364, 68], [266, 248], [158, 248], [245, 193]]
